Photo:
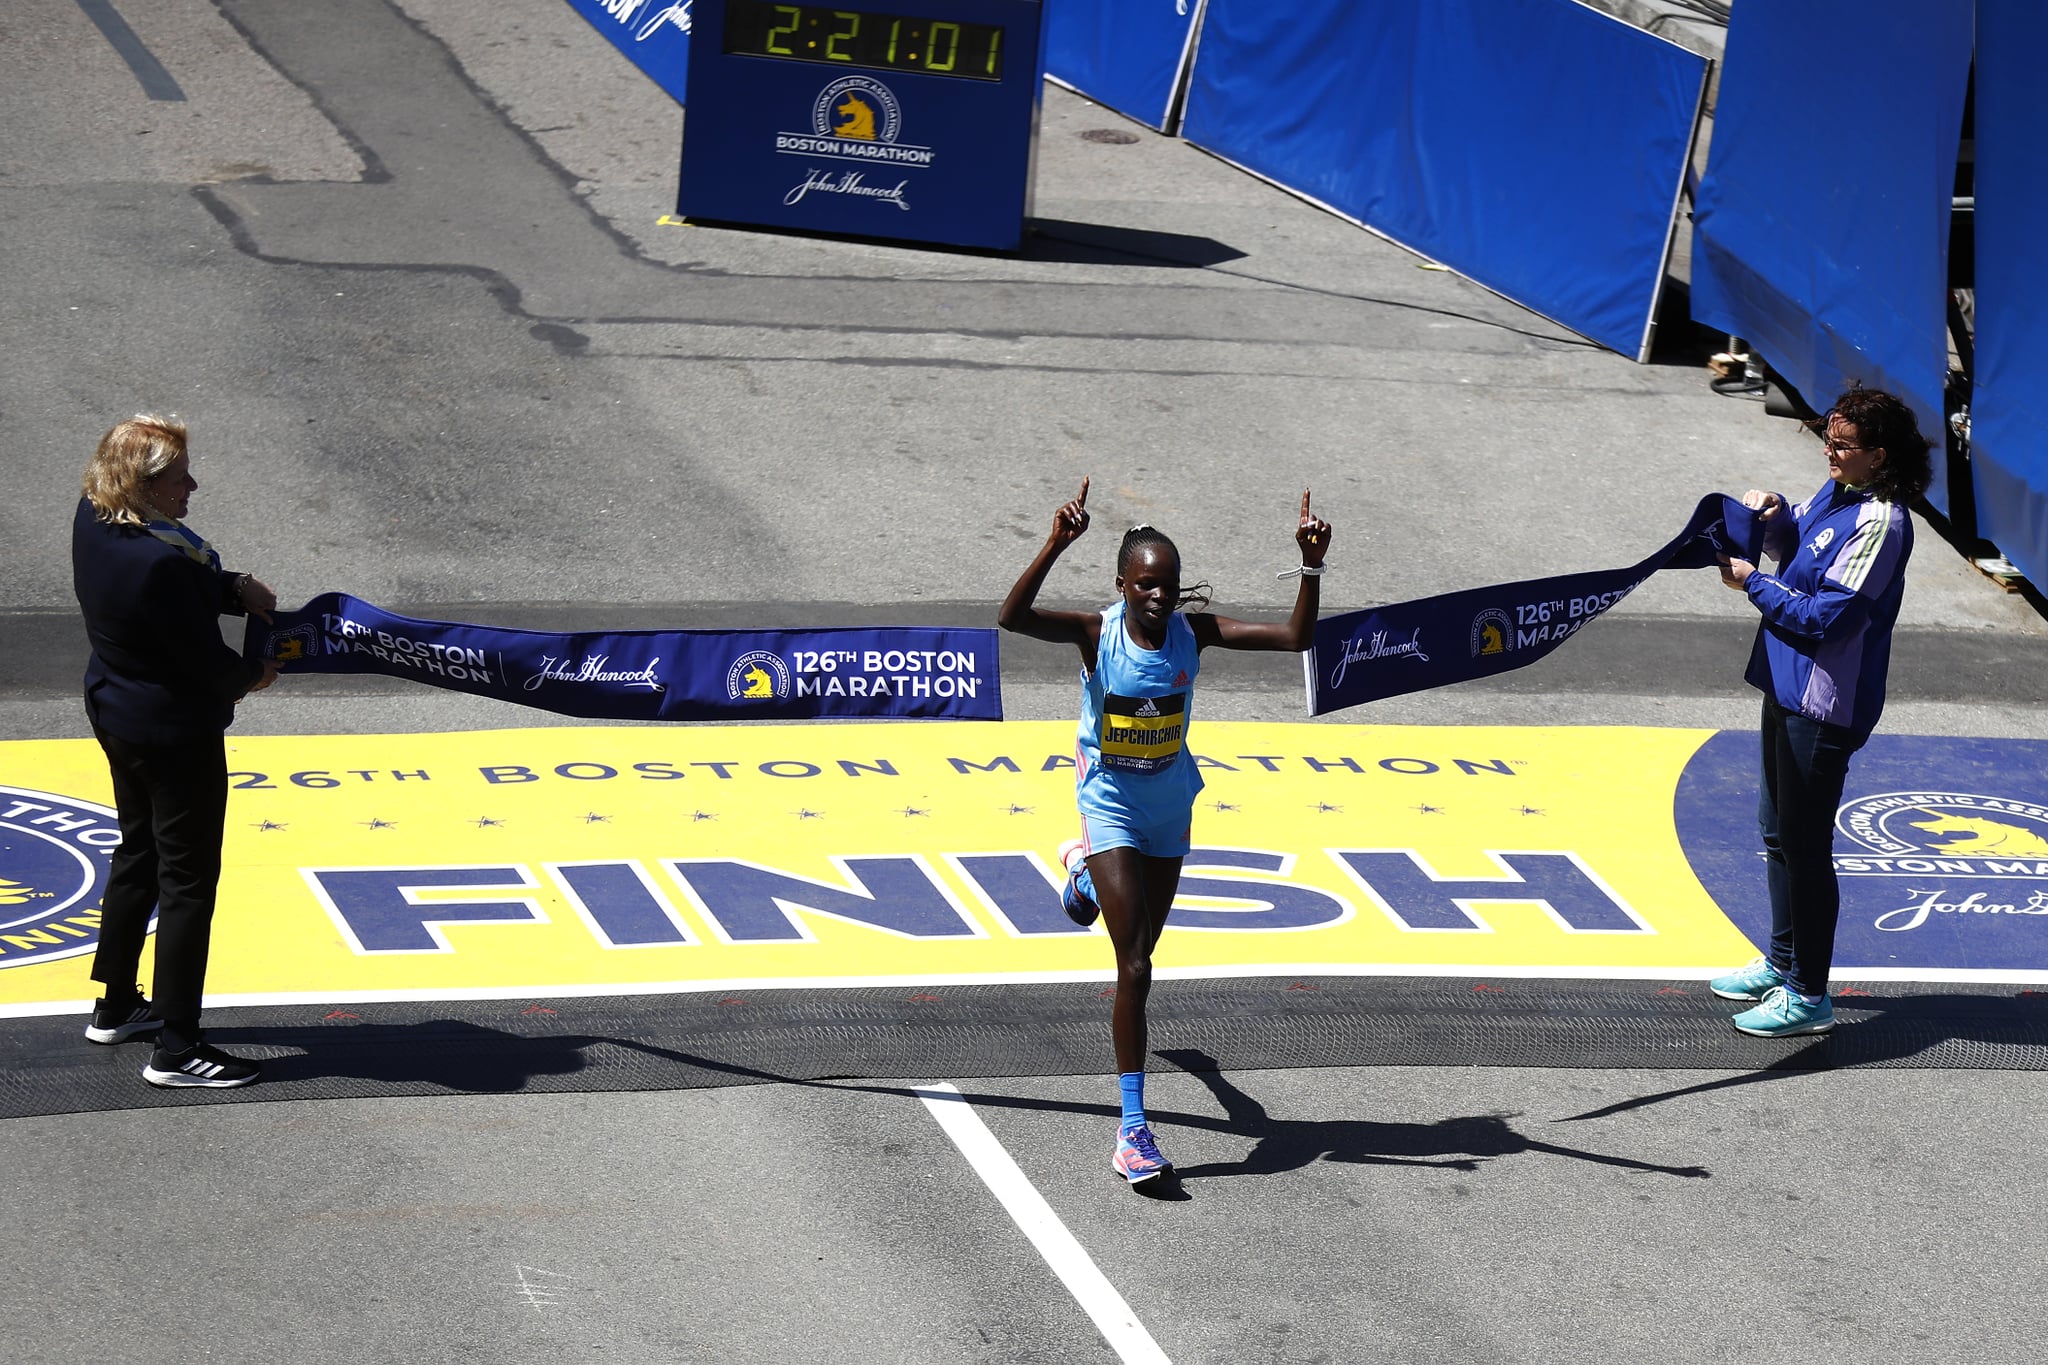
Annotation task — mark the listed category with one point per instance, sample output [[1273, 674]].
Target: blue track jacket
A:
[[1826, 640]]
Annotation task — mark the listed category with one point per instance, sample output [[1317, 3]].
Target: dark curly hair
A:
[[1143, 537], [1882, 420]]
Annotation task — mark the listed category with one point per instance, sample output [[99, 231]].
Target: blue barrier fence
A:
[[1131, 55], [1821, 232], [654, 34], [1535, 146], [2009, 407]]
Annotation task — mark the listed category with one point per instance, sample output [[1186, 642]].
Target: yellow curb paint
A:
[[692, 843]]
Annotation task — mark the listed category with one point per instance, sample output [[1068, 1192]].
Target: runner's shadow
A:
[[1459, 1144], [1279, 1144], [1878, 1030]]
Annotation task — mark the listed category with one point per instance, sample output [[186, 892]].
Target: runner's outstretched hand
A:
[[1312, 535], [1071, 520]]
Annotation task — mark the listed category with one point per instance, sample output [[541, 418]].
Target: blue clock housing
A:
[[918, 123]]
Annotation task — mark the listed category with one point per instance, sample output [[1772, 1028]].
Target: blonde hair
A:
[[129, 456]]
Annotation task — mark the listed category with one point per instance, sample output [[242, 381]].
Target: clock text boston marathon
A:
[[937, 672]]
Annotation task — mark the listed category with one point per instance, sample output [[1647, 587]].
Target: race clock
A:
[[916, 123]]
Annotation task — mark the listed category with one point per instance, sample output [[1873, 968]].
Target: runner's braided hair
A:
[[1143, 537]]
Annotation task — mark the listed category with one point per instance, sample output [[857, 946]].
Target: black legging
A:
[[1805, 763]]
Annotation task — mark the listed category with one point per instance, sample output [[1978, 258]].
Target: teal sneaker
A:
[[1747, 983], [1783, 1014]]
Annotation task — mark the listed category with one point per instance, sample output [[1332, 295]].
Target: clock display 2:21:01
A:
[[884, 42]]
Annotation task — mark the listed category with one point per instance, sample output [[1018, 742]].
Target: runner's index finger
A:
[[1083, 499]]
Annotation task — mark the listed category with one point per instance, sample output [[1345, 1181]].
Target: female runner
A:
[[1135, 779]]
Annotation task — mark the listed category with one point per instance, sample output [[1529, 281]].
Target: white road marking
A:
[[1068, 1259], [536, 1295]]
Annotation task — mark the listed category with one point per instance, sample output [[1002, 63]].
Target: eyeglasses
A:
[[1838, 447]]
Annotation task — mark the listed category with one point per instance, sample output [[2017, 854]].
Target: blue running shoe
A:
[[1747, 983], [1784, 1014], [1077, 897], [1137, 1156]]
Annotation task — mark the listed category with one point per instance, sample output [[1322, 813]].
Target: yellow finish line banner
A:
[[618, 859]]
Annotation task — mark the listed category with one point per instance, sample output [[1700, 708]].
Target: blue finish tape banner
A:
[[1831, 264], [1127, 54], [902, 671], [1534, 146], [2009, 403], [1404, 647], [655, 34]]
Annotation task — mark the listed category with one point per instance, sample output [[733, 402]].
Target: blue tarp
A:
[[654, 33], [1535, 146], [2009, 405], [1127, 54], [1821, 230]]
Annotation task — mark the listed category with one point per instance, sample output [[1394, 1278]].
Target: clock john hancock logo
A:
[[54, 856]]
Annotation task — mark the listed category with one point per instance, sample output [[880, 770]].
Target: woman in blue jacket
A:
[[1820, 659], [1135, 778], [160, 689]]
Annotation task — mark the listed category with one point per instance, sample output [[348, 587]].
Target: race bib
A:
[[1143, 734]]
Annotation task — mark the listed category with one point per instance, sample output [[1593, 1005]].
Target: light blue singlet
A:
[[1135, 778]]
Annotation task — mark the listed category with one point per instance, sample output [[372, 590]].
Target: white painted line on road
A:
[[1068, 1259]]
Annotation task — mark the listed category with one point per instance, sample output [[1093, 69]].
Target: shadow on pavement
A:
[[1876, 1030]]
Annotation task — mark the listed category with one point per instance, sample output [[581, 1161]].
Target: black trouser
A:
[[172, 800], [1806, 762]]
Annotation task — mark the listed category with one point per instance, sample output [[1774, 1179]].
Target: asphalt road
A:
[[400, 263]]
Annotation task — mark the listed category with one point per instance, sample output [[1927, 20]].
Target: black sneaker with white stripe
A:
[[200, 1065], [119, 1022]]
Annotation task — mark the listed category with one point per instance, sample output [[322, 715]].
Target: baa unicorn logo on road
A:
[[1947, 825], [1948, 856], [54, 856], [1936, 878]]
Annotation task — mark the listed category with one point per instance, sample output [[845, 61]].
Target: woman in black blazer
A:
[[160, 690]]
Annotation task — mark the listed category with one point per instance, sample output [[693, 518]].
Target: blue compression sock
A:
[[1132, 1084]]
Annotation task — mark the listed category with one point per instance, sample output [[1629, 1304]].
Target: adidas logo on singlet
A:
[[1148, 709]]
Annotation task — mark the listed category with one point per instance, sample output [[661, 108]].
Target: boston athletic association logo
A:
[[1492, 633], [757, 675], [292, 644], [855, 119], [1947, 854], [54, 856], [858, 109]]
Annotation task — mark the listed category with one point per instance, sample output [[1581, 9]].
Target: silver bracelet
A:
[[1305, 571]]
